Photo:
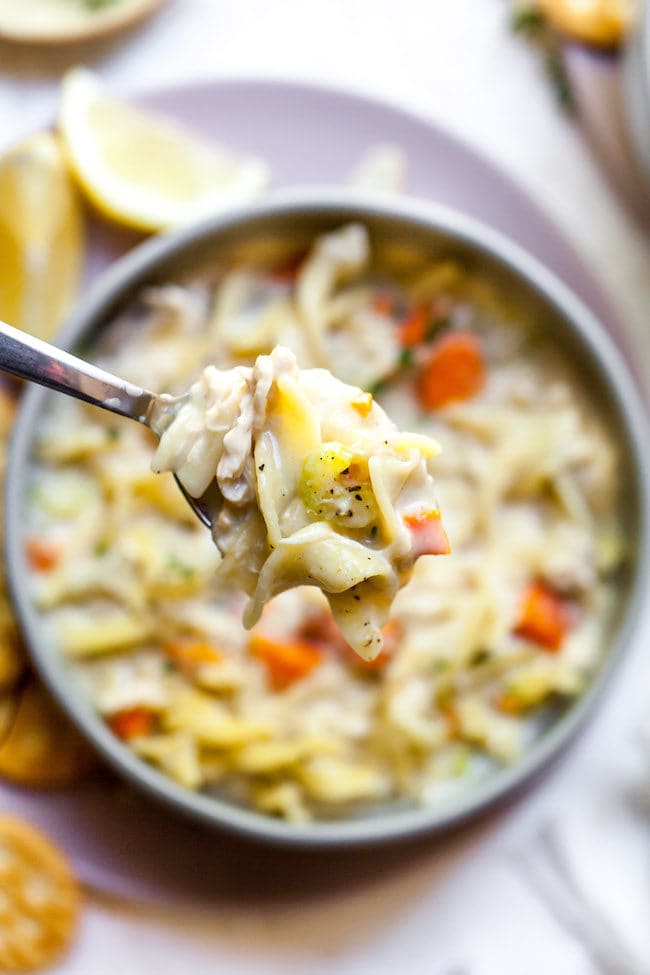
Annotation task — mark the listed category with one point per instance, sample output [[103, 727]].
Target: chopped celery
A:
[[335, 486]]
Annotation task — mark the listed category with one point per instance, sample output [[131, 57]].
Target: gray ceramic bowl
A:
[[402, 231]]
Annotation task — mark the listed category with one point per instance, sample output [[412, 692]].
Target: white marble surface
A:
[[471, 912]]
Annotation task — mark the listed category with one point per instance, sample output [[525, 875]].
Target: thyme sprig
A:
[[532, 24]]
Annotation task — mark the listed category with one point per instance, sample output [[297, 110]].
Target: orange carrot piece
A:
[[543, 617], [383, 304], [454, 371], [286, 661], [288, 272], [321, 631], [412, 328], [362, 404], [192, 653], [509, 703], [42, 556], [428, 533], [132, 723]]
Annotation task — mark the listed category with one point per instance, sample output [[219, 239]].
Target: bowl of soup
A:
[[493, 655]]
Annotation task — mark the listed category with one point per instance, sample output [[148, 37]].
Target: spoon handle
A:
[[27, 357]]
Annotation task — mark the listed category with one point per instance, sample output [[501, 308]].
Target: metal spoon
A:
[[30, 358]]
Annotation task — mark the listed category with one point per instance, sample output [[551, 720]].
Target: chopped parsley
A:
[[528, 20], [377, 388], [98, 4], [435, 328], [175, 564], [482, 656], [405, 358]]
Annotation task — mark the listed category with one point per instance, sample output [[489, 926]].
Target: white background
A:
[[471, 909]]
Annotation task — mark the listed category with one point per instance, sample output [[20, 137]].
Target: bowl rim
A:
[[396, 824]]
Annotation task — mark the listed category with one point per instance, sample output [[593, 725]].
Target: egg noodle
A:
[[311, 485]]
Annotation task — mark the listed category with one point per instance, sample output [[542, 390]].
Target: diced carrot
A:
[[412, 328], [42, 556], [287, 272], [543, 617], [362, 404], [383, 304], [428, 533], [190, 654], [508, 703], [132, 723], [453, 720], [392, 633], [286, 661], [454, 371], [354, 472], [321, 630]]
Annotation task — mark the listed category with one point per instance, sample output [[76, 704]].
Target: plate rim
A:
[[357, 93]]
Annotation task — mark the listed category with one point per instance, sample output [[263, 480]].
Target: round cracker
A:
[[42, 749], [39, 899], [8, 704], [13, 661]]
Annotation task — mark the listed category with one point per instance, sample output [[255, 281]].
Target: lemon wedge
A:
[[603, 23], [145, 171], [41, 236]]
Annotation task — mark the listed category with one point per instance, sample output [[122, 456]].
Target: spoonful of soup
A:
[[302, 479]]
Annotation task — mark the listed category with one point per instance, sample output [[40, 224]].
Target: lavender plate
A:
[[120, 841]]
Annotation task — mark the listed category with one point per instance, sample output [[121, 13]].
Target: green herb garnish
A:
[[531, 23], [113, 434], [482, 656], [377, 388], [101, 548], [556, 71], [435, 328], [175, 564], [98, 4], [405, 358]]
